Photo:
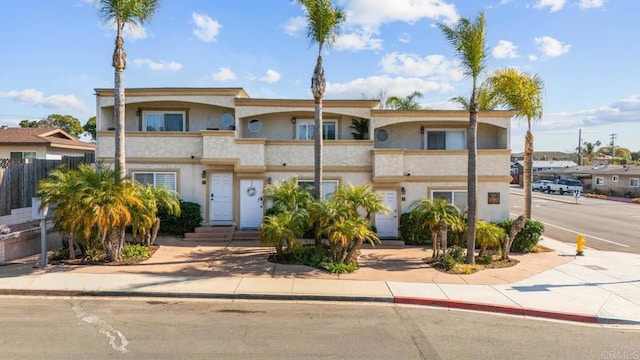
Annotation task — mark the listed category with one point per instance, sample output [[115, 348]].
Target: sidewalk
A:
[[601, 287]]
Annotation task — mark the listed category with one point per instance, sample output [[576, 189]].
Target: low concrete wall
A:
[[25, 243]]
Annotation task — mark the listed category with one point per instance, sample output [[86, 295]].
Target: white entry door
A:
[[221, 198], [251, 203], [387, 225]]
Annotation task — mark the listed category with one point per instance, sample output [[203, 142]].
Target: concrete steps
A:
[[246, 235], [214, 234]]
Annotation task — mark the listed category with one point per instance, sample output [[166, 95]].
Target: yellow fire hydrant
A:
[[580, 242]]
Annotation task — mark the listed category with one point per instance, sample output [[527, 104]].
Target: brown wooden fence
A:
[[19, 180]]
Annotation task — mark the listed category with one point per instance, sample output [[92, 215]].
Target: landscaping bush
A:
[[310, 255], [135, 251], [444, 262], [188, 220], [411, 233], [527, 238]]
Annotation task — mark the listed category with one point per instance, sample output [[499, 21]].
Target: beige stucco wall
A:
[[409, 136]]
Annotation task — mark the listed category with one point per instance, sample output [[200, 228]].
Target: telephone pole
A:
[[613, 145], [580, 147]]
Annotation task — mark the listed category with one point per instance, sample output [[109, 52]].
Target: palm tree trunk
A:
[[317, 88], [472, 178], [119, 64], [527, 176], [442, 229]]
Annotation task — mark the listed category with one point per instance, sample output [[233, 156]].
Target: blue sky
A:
[[54, 53]]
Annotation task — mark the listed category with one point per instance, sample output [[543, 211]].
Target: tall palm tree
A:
[[468, 39], [406, 103], [323, 27], [122, 13], [522, 92], [590, 149]]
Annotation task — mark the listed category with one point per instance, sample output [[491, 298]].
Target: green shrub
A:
[[340, 268], [135, 251], [411, 232], [485, 259], [457, 253], [310, 255], [444, 262], [94, 254], [188, 220], [527, 238]]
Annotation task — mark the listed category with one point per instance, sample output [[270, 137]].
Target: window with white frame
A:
[[634, 182], [615, 178], [328, 186], [163, 121], [27, 155], [305, 130], [445, 139], [455, 197], [599, 180], [157, 179]]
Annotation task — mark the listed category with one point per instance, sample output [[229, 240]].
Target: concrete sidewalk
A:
[[601, 287]]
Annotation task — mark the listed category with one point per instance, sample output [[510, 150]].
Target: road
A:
[[92, 328], [606, 225]]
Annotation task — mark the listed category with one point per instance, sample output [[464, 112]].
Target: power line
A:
[[613, 145]]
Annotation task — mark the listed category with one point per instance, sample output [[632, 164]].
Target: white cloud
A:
[[551, 47], [533, 57], [35, 97], [295, 25], [131, 31], [224, 74], [206, 29], [154, 65], [404, 38], [271, 77], [590, 4], [433, 66], [553, 5], [505, 50], [399, 86], [356, 41], [373, 13]]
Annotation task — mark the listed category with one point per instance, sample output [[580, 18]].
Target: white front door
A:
[[221, 198], [387, 225], [251, 203]]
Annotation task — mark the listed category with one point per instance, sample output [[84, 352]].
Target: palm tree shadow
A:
[[548, 287]]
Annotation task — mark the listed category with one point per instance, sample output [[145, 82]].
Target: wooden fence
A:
[[19, 179]]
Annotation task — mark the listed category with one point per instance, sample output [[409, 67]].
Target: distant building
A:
[[543, 155], [40, 143]]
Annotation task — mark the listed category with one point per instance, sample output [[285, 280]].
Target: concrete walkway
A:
[[600, 287]]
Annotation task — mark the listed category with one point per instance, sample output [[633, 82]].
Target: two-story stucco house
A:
[[219, 147]]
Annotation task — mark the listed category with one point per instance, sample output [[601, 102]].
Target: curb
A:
[[226, 296], [511, 310]]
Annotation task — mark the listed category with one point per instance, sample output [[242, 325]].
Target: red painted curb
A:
[[503, 309]]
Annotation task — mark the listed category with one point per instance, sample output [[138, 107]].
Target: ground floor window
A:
[[166, 179], [455, 197], [328, 186], [634, 182], [27, 155], [599, 180]]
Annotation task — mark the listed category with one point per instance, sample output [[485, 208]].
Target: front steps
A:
[[221, 234]]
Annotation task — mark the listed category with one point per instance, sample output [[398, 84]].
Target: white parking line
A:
[[582, 233]]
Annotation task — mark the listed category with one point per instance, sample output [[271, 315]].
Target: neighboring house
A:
[[617, 180], [40, 143], [219, 148], [543, 155], [543, 165]]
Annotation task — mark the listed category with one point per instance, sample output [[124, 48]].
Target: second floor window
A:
[[304, 130], [445, 139], [163, 121]]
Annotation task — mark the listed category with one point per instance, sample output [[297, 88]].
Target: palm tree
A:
[[323, 26], [487, 99], [490, 236], [92, 202], [145, 221], [522, 92], [406, 103], [438, 216], [123, 13], [590, 149], [468, 40]]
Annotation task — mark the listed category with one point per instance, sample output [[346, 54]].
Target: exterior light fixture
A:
[[293, 120]]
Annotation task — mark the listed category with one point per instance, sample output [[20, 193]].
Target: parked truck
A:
[[563, 186]]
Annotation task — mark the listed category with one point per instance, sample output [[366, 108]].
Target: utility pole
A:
[[580, 147], [613, 145]]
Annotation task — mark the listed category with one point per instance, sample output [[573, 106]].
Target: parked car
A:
[[564, 185], [540, 185]]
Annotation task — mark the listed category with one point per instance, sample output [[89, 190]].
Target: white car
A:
[[540, 185]]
